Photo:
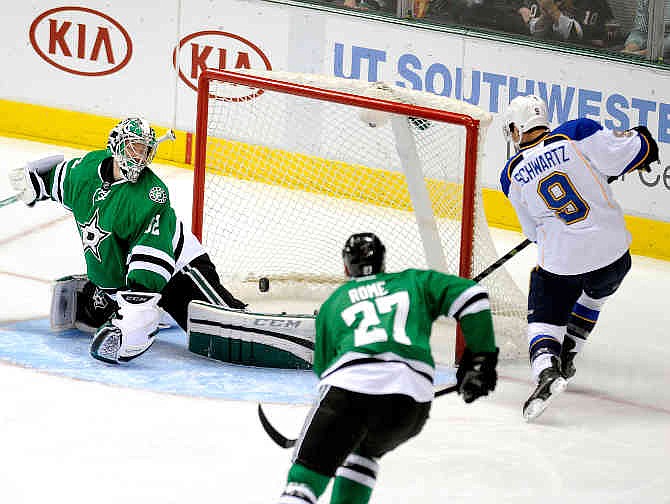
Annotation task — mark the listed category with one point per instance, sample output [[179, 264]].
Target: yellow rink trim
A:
[[327, 177], [89, 131], [78, 130]]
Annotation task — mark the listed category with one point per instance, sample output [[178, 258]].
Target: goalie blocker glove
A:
[[476, 375], [132, 332]]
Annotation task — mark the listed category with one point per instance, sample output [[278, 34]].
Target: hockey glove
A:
[[653, 147], [476, 375], [28, 180]]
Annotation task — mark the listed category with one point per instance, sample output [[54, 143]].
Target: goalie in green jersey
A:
[[373, 358], [139, 256]]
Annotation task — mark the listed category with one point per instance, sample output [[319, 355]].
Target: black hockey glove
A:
[[476, 375], [653, 147]]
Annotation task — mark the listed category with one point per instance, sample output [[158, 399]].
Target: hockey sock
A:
[[544, 341], [354, 480], [304, 486], [583, 319]]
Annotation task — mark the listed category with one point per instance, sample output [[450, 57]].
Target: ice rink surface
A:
[[91, 439]]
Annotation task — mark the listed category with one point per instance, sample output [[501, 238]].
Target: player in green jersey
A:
[[373, 358], [139, 256]]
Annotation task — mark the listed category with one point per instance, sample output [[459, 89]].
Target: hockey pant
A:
[[197, 281], [567, 303], [343, 436]]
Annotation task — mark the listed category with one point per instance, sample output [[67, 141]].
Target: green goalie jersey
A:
[[373, 333], [129, 231]]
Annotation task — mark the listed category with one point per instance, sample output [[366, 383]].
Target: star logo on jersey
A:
[[92, 235]]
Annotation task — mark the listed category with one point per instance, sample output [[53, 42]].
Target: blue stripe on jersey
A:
[[578, 129], [640, 157], [506, 175], [585, 313]]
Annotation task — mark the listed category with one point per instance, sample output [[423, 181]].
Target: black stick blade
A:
[[274, 434], [446, 390]]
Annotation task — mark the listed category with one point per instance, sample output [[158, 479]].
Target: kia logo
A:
[[219, 51], [81, 41]]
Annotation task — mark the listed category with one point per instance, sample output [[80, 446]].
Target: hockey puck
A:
[[263, 284]]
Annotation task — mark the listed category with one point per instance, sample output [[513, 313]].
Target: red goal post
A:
[[352, 156]]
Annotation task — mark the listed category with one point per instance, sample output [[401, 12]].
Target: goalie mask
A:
[[133, 144], [524, 113], [363, 254]]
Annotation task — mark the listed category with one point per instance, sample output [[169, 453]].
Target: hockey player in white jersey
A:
[[557, 182]]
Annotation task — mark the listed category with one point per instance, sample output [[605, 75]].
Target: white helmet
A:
[[525, 113], [133, 144]]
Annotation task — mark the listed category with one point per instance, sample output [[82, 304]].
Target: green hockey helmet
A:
[[133, 144]]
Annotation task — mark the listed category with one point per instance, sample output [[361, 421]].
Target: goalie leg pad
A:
[[77, 303], [253, 339], [130, 334]]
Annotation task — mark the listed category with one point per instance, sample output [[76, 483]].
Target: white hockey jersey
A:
[[558, 187]]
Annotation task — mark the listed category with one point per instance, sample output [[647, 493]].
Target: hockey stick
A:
[[8, 201], [274, 434], [502, 260], [285, 442], [169, 135]]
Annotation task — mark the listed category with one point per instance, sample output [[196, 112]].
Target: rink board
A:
[[168, 367]]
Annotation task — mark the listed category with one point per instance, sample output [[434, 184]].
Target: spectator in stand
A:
[[388, 6], [421, 8], [510, 16], [636, 42], [579, 21]]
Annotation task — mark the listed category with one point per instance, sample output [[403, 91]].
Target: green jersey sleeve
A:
[[464, 300], [151, 261], [320, 347]]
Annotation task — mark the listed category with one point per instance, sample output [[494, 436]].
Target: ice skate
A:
[[568, 369], [551, 383]]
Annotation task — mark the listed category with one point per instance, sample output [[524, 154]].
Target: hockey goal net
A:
[[288, 165]]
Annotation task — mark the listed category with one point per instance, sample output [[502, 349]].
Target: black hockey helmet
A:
[[363, 255]]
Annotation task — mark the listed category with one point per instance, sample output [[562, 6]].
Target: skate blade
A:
[[537, 406]]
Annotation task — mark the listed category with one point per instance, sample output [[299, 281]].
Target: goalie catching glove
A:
[[132, 332], [28, 180], [476, 375]]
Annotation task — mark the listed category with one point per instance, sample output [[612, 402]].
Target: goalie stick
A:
[[285, 442], [8, 201]]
